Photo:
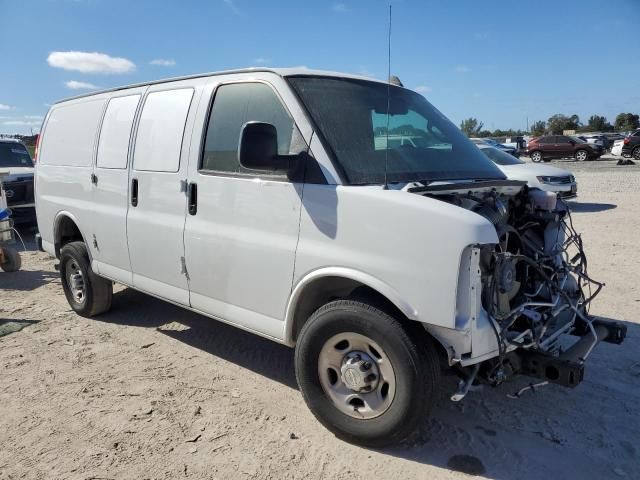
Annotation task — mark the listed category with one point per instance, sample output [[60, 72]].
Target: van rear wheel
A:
[[88, 294], [362, 376]]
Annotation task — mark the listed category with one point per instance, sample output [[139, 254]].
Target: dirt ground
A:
[[153, 391]]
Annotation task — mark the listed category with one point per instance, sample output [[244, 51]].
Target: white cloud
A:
[[90, 62], [339, 8], [462, 69], [5, 107], [162, 62], [75, 85], [232, 6], [261, 60]]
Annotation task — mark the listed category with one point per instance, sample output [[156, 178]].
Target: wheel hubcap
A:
[[582, 155], [76, 282], [357, 375]]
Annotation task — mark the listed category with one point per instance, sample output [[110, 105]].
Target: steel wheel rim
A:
[[346, 380], [75, 280]]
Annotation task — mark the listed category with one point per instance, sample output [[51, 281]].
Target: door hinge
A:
[[183, 267]]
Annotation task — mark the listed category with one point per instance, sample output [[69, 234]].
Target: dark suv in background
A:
[[631, 145], [548, 147]]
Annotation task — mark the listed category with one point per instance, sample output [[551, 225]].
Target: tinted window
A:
[[14, 155], [160, 131], [545, 140], [115, 133], [563, 139], [419, 144], [233, 106]]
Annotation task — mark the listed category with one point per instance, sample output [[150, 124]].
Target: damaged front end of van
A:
[[522, 303]]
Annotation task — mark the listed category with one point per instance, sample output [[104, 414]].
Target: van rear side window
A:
[[70, 134], [115, 133], [160, 130]]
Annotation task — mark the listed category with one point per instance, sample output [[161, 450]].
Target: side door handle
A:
[[134, 192], [192, 198], [94, 179]]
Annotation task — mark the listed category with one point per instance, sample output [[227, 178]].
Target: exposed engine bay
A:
[[535, 284]]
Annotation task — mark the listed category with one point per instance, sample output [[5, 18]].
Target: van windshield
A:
[[421, 144], [14, 155]]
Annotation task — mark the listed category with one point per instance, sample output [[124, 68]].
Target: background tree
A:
[[538, 128], [471, 127], [627, 121], [559, 123], [598, 123]]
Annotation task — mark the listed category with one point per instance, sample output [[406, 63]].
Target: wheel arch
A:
[[324, 285], [65, 230]]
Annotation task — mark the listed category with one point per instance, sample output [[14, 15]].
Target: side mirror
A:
[[258, 148], [572, 142]]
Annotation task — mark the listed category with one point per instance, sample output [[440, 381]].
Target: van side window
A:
[[233, 106], [160, 130], [115, 133]]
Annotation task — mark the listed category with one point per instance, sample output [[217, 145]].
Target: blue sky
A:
[[499, 61]]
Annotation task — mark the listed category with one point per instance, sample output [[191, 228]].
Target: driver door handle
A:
[[192, 198], [134, 192]]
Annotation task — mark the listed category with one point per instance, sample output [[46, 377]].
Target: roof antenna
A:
[[386, 150]]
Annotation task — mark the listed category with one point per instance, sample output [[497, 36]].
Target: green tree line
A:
[[555, 125]]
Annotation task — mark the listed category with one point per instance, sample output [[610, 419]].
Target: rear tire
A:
[[87, 293], [536, 156], [581, 155], [636, 153], [12, 261], [405, 373]]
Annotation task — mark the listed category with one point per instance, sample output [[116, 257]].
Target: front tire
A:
[[362, 376], [87, 293], [582, 155], [536, 157]]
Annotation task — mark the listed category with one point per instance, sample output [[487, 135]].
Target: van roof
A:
[[283, 72]]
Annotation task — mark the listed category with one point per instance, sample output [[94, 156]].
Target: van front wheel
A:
[[87, 294], [362, 376]]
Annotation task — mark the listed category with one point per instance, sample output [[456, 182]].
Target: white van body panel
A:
[[155, 226], [241, 245], [411, 244], [255, 244], [63, 171], [111, 190]]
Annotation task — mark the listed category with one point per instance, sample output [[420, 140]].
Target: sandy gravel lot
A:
[[152, 391]]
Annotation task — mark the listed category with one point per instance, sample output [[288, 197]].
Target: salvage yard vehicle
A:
[[548, 147], [267, 199], [18, 182], [631, 146], [543, 177]]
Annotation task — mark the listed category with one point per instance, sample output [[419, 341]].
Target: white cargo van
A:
[[278, 201]]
